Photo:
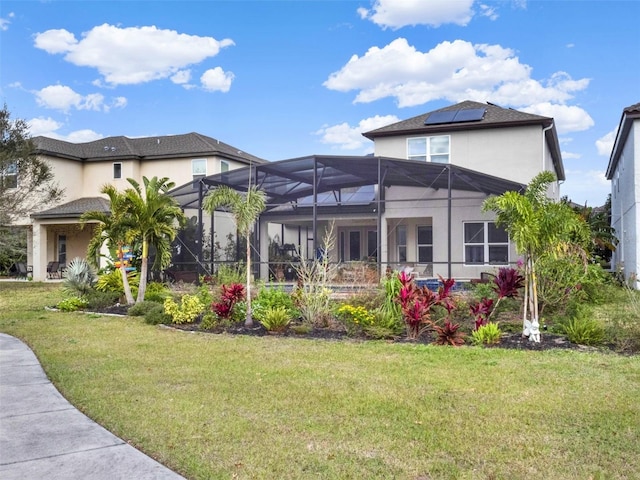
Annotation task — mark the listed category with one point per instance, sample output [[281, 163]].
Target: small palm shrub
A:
[[112, 282], [155, 292], [79, 277], [488, 334], [276, 319]]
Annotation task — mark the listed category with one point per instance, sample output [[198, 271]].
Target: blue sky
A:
[[284, 79]]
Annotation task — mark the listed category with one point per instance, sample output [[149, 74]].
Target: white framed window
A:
[[429, 149], [425, 243], [9, 176], [485, 244], [224, 166], [401, 243], [117, 170], [199, 167]]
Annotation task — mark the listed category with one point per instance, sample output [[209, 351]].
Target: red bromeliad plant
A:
[[449, 334], [506, 285], [231, 295], [417, 302]]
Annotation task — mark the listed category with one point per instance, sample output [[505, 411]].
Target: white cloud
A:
[[457, 71], [345, 137], [605, 144], [63, 98], [569, 155], [400, 13], [216, 79], [4, 22], [586, 186], [131, 55], [181, 77], [48, 127], [567, 118], [489, 12], [43, 126]]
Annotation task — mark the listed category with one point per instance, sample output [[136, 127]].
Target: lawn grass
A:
[[223, 406]]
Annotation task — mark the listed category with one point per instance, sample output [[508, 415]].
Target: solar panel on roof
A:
[[469, 115], [455, 116], [440, 117]]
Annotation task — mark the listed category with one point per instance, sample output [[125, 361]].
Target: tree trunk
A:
[[125, 279], [249, 320], [142, 288]]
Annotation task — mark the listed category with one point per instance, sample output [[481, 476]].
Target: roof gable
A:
[[629, 115]]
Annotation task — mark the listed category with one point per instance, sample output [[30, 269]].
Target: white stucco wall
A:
[[625, 200]]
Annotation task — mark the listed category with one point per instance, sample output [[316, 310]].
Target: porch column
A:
[[39, 251]]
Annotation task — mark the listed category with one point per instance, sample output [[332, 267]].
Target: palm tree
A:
[[245, 208], [153, 216], [114, 228], [537, 225]]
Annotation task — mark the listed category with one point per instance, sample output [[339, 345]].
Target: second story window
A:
[[224, 166], [117, 170], [9, 176], [429, 149], [199, 167]]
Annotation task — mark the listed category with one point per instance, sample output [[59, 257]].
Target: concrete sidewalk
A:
[[42, 436]]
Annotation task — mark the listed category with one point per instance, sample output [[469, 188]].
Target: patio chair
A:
[[53, 270], [21, 270]]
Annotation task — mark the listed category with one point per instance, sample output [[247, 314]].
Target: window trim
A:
[[485, 243], [427, 156], [401, 245], [224, 166], [119, 176], [418, 244]]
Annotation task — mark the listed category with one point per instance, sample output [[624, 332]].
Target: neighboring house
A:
[[624, 173], [416, 202], [82, 169]]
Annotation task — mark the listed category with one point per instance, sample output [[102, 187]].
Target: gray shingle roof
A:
[[75, 208], [629, 116], [120, 147], [494, 116]]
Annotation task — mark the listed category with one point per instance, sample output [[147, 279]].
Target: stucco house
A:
[[81, 169], [624, 172], [416, 202]]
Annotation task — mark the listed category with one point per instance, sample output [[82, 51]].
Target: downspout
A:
[[544, 143]]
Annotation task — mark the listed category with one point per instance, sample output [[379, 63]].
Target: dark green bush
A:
[[96, 299], [141, 309], [157, 316]]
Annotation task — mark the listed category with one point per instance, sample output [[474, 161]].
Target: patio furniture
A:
[[53, 270]]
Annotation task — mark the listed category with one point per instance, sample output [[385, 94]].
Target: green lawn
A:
[[221, 406]]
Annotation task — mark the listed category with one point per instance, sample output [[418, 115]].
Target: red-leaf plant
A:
[[231, 295], [506, 285], [417, 302], [449, 334]]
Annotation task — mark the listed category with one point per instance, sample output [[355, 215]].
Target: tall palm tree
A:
[[153, 216], [113, 228], [245, 208], [537, 225]]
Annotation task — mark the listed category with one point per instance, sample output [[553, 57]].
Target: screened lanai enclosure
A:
[[384, 213]]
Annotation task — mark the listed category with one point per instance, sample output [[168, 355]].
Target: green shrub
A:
[[584, 331], [386, 324], [229, 273], [276, 319], [72, 304], [269, 298], [141, 309], [488, 334], [96, 299], [112, 282], [188, 310], [155, 292], [156, 316], [355, 318]]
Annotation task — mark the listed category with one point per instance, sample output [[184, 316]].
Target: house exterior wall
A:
[[514, 153], [625, 200]]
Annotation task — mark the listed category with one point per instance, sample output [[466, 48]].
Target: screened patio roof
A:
[[292, 180]]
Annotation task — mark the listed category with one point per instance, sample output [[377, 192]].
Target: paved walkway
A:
[[42, 436]]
